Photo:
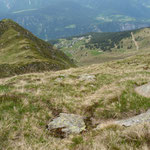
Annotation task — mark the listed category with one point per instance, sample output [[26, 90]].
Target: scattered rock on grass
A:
[[87, 77], [66, 124]]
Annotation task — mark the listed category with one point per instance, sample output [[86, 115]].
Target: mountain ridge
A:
[[22, 52]]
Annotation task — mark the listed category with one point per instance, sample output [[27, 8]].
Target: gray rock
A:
[[139, 119], [144, 90], [68, 124], [87, 77]]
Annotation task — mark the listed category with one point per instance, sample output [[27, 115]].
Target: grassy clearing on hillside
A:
[[28, 102], [85, 57]]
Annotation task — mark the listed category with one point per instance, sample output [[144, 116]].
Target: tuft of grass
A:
[[4, 88], [77, 140]]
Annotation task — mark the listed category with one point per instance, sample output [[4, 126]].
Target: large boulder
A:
[[144, 90], [66, 124]]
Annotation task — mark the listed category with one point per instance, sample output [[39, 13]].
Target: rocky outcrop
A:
[[139, 119], [143, 90], [66, 124]]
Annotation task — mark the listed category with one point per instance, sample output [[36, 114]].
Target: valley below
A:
[[95, 48]]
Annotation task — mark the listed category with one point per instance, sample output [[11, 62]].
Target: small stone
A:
[[67, 124], [87, 77], [144, 90]]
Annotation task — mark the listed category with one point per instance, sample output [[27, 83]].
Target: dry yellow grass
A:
[[29, 101]]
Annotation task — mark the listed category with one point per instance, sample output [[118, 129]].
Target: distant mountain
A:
[[22, 52], [53, 19], [14, 5], [132, 8]]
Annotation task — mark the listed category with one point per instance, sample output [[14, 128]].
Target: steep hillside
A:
[[100, 47], [102, 94], [22, 52]]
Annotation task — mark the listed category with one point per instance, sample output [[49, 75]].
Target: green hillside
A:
[[22, 52], [120, 40], [100, 47]]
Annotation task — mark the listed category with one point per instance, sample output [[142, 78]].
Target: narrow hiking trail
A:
[[135, 42]]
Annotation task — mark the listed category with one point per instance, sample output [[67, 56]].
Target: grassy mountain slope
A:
[[22, 52], [100, 47], [28, 102]]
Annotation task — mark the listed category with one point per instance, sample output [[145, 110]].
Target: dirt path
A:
[[135, 42]]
